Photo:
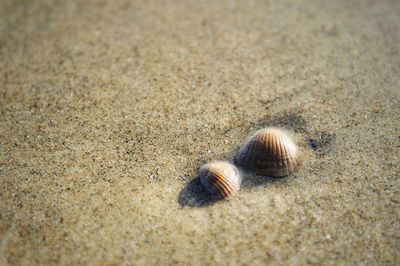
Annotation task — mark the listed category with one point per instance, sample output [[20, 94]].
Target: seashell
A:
[[270, 152], [221, 179]]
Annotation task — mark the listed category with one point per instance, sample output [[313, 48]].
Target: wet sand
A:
[[109, 109]]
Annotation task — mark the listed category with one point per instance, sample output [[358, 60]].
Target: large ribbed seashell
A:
[[270, 152], [221, 179]]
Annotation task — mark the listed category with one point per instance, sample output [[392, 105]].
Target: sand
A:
[[109, 108]]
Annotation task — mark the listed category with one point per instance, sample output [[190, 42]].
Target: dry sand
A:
[[108, 109]]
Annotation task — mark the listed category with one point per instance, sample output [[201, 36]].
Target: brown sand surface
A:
[[108, 109]]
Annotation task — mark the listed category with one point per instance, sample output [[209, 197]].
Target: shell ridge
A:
[[221, 185], [226, 184]]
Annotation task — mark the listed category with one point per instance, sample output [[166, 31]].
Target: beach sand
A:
[[109, 108]]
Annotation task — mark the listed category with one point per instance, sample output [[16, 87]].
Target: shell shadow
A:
[[194, 195], [250, 179], [291, 119]]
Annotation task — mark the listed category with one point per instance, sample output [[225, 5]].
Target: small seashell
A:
[[221, 179], [270, 152]]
